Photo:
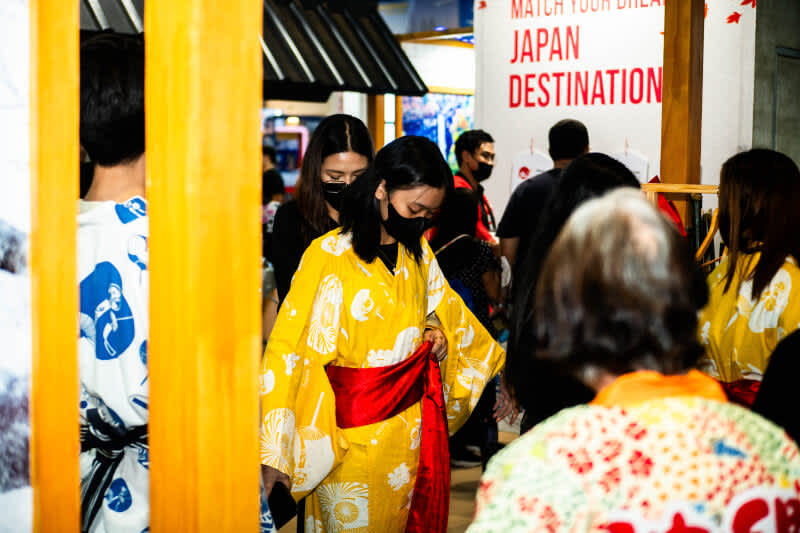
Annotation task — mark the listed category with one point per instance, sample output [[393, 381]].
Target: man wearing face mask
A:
[[475, 155]]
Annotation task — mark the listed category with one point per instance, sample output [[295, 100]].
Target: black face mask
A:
[[483, 171], [407, 231], [334, 192]]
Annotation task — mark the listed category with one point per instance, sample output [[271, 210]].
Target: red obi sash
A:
[[369, 395], [742, 391]]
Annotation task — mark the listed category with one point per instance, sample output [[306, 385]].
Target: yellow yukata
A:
[[341, 310], [738, 333]]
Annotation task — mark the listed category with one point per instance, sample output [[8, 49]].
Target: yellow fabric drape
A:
[[343, 311]]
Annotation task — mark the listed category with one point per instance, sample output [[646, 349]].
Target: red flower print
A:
[[579, 461], [610, 480], [734, 17], [485, 487], [547, 516], [749, 2], [610, 450], [527, 504], [635, 431], [550, 519], [482, 5], [641, 465]]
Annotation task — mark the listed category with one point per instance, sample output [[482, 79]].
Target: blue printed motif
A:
[[144, 457], [720, 448], [139, 403], [266, 522], [105, 316], [118, 496], [143, 357], [131, 210], [138, 252]]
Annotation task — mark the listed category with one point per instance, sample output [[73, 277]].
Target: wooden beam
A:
[[203, 98], [398, 116], [55, 442], [375, 119], [680, 188], [682, 102], [433, 35], [441, 42], [450, 90]]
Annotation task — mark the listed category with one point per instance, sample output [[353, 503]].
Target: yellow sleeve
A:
[[473, 356], [298, 431]]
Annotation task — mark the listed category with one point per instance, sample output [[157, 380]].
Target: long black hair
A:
[[404, 163], [459, 216], [334, 135], [587, 176], [759, 194]]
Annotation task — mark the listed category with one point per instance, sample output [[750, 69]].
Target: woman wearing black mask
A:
[[339, 151], [348, 359]]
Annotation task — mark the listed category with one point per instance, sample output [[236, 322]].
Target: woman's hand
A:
[[438, 340], [270, 476]]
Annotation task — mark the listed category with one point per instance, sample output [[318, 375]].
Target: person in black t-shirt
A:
[[568, 139], [465, 258], [339, 151]]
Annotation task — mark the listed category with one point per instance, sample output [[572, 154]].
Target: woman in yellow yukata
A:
[[755, 291], [355, 407]]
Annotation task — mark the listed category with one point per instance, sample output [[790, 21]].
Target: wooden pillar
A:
[[55, 443], [682, 103], [398, 116], [375, 114], [203, 97]]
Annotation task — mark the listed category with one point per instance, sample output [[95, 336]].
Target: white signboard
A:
[[527, 165], [600, 62], [636, 163]]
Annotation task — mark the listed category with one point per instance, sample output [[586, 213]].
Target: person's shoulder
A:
[[460, 182], [532, 445], [288, 210], [537, 185], [793, 269], [115, 216], [332, 244]]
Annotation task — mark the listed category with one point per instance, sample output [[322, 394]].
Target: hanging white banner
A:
[[600, 62]]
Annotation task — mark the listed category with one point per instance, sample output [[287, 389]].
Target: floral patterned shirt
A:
[[680, 463]]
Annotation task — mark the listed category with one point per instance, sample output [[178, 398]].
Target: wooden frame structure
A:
[[203, 163], [55, 442]]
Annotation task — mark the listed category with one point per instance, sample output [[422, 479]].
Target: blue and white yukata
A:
[[112, 350]]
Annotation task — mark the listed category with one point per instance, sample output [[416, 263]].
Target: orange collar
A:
[[638, 387]]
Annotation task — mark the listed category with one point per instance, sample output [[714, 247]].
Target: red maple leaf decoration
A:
[[482, 5], [734, 17], [749, 2]]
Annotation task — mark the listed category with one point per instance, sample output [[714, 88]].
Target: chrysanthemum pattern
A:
[[277, 431], [345, 506], [650, 458], [324, 324]]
